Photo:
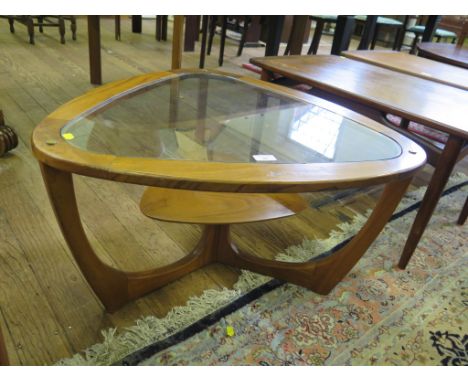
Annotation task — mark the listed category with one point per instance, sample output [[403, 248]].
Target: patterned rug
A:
[[378, 315]]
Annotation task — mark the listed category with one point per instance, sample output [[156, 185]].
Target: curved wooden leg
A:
[[114, 287], [323, 275]]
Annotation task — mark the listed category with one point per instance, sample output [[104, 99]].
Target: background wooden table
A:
[[375, 91], [413, 65], [448, 53]]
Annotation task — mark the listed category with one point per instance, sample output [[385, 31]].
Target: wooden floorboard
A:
[[47, 310]]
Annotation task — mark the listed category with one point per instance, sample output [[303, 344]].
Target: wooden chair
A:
[[44, 21], [223, 22], [418, 31], [321, 21], [384, 22]]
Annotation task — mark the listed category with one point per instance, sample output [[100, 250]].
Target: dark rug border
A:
[[138, 356]]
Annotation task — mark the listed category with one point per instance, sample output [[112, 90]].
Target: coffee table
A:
[[217, 149]]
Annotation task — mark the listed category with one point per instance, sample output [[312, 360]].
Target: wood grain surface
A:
[[413, 65], [414, 98]]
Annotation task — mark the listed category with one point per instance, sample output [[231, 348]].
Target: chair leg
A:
[[117, 27], [158, 28], [11, 21], [374, 37], [61, 23], [314, 45], [164, 28], [244, 36], [73, 27], [212, 33], [40, 20], [30, 25], [205, 20], [397, 39], [463, 213], [223, 40], [413, 45]]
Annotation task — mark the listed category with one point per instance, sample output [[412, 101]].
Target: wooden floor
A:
[[47, 310]]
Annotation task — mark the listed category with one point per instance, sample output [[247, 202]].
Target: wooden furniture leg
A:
[[275, 28], [164, 28], [11, 22], [243, 39], [177, 42], [114, 287], [368, 33], [223, 40], [191, 31], [73, 27], [94, 44], [61, 23], [323, 274], [439, 179], [137, 23], [343, 32], [30, 26], [314, 45], [297, 35], [212, 28], [158, 28], [117, 27], [3, 352], [463, 213], [205, 20], [430, 28]]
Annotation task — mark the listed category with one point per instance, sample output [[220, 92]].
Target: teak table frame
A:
[[59, 160]]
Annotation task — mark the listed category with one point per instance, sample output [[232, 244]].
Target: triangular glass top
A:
[[207, 117]]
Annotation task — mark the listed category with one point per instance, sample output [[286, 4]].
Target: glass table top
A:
[[214, 118]]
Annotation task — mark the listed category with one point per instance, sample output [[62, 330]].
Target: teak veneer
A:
[[215, 194]]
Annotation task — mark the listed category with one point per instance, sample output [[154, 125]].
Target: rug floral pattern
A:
[[378, 315]]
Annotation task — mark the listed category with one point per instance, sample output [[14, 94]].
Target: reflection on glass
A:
[[206, 117], [323, 140]]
